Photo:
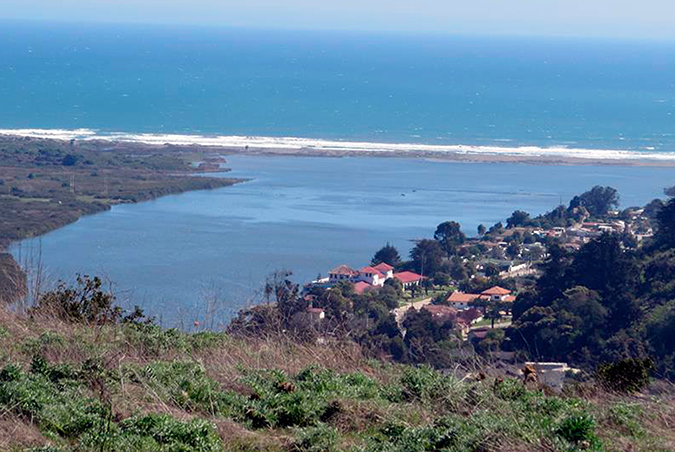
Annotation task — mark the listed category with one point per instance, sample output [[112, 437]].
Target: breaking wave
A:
[[308, 144]]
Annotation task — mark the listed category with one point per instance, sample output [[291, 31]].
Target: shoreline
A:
[[47, 184], [291, 146]]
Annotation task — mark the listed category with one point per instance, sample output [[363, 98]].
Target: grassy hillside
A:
[[68, 387]]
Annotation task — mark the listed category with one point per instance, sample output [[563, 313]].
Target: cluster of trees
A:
[[595, 203], [603, 303]]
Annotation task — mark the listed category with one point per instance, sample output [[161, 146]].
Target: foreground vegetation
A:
[[116, 383]]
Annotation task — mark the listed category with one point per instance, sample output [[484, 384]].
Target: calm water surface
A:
[[174, 254]]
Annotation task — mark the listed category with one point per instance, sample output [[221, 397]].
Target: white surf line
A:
[[294, 143]]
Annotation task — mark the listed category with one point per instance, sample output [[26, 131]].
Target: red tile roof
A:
[[460, 297], [362, 286], [343, 270], [510, 298], [315, 310], [496, 290], [383, 267], [408, 277], [370, 270]]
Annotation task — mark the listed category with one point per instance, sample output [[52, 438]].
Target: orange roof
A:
[[510, 298], [370, 270], [343, 270], [496, 290], [383, 267], [461, 297], [361, 287], [408, 277]]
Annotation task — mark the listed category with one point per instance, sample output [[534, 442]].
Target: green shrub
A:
[[185, 384], [172, 435], [577, 429], [316, 439], [626, 376]]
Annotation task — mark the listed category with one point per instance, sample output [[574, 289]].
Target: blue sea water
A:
[[384, 88]]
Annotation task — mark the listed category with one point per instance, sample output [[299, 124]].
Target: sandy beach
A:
[[330, 148]]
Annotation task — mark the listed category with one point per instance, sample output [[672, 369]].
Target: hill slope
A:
[[67, 387]]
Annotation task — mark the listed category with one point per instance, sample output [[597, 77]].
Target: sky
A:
[[648, 19]]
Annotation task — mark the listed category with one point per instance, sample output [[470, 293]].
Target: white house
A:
[[372, 276]]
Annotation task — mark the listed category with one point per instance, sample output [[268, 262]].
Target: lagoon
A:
[[205, 255]]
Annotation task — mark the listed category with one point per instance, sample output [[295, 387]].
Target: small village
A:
[[474, 287]]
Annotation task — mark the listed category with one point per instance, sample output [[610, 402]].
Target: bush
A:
[[625, 376], [578, 429]]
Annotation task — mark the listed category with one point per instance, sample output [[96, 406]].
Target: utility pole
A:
[[72, 184]]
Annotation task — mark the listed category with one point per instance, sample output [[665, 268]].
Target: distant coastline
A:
[[316, 147]]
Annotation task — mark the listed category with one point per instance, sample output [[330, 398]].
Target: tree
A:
[[602, 265], [598, 201], [450, 236], [493, 311], [481, 229], [442, 279], [490, 269], [286, 294], [518, 218], [395, 284], [513, 250], [387, 254], [497, 228], [666, 225], [70, 160], [427, 256]]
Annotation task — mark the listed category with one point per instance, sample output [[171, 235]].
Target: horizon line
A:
[[341, 30]]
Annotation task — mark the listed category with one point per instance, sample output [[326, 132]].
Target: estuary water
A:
[[203, 255]]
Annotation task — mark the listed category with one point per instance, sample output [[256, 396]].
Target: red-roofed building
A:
[[496, 293], [362, 286], [408, 279], [386, 269], [342, 273], [461, 300], [371, 276]]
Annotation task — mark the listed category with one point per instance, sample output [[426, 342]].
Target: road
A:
[[399, 313]]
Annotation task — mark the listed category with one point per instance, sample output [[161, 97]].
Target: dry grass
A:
[[624, 423]]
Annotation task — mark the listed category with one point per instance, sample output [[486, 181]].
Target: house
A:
[[440, 313], [408, 279], [497, 293], [386, 269], [372, 276], [469, 316], [461, 300], [552, 374], [342, 273]]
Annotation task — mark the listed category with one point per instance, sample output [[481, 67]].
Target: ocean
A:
[[435, 90]]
